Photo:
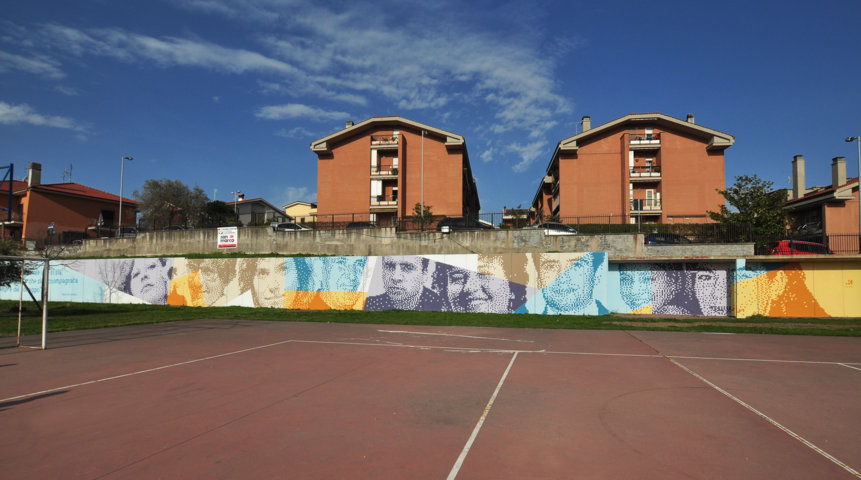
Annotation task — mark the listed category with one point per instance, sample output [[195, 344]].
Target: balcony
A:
[[644, 141], [382, 202], [384, 141], [645, 173], [384, 171], [646, 207]]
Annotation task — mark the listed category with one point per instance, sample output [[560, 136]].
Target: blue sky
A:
[[228, 94]]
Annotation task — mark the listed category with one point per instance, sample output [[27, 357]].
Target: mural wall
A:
[[552, 283]]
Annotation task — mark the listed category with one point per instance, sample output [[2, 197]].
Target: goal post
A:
[[18, 264]]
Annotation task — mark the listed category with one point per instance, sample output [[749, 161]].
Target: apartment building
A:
[[379, 169], [646, 167]]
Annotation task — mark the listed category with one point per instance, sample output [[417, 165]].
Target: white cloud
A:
[[35, 64], [297, 132], [487, 155], [528, 153], [65, 90], [295, 110], [295, 194], [24, 114]]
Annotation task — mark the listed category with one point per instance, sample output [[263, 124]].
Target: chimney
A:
[[838, 171], [798, 188], [240, 197], [587, 122], [690, 118], [34, 174], [349, 123]]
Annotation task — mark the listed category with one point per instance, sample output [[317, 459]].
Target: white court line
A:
[[849, 366], [454, 335], [115, 377], [421, 347], [769, 420], [456, 468]]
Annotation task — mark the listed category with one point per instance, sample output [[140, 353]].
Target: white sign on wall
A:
[[227, 237]]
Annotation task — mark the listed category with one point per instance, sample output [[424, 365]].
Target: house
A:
[[60, 212], [256, 211], [379, 169], [302, 212], [646, 167], [825, 212]]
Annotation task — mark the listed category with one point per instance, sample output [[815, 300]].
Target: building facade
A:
[[302, 212], [256, 211], [649, 167], [61, 212], [379, 169], [824, 213]]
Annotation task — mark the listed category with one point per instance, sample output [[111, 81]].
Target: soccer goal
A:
[[17, 270]]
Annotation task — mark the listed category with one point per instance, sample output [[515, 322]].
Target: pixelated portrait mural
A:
[[534, 283]]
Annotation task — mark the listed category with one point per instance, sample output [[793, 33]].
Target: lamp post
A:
[[857, 139], [423, 180], [122, 172]]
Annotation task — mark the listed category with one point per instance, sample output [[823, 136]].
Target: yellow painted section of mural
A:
[[800, 289]]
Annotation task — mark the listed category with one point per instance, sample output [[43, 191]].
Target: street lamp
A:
[[235, 200], [122, 171], [423, 179], [858, 140]]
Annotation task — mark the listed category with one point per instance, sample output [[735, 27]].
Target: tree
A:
[[170, 202], [755, 205], [10, 271], [422, 217], [218, 214]]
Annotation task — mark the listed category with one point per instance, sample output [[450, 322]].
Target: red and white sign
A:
[[227, 237]]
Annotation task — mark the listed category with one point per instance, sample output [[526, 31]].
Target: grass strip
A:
[[77, 316]]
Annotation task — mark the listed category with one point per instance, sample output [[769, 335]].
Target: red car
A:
[[797, 247]]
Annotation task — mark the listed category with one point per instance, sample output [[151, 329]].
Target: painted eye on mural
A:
[[457, 277]]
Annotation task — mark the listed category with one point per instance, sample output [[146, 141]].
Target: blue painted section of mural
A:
[[553, 283]]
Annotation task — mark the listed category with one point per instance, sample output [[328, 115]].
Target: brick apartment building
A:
[[376, 171], [649, 166]]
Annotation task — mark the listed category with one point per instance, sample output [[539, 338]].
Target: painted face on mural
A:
[[470, 291], [570, 291], [268, 287], [635, 285], [710, 290], [341, 279], [149, 280], [403, 279]]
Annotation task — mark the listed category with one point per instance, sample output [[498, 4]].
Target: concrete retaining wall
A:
[[385, 241]]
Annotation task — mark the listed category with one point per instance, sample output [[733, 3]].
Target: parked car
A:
[[289, 227], [449, 224], [554, 228], [361, 225], [797, 247], [665, 239], [127, 232]]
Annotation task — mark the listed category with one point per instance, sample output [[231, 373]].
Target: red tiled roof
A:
[[81, 191], [16, 185], [822, 191]]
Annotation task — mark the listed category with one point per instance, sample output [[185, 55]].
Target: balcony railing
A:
[[384, 139], [384, 200], [648, 205], [381, 170], [645, 140], [645, 171]]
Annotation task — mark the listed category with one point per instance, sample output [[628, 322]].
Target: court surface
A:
[[251, 399]]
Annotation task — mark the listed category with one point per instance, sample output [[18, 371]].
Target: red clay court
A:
[[251, 399]]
